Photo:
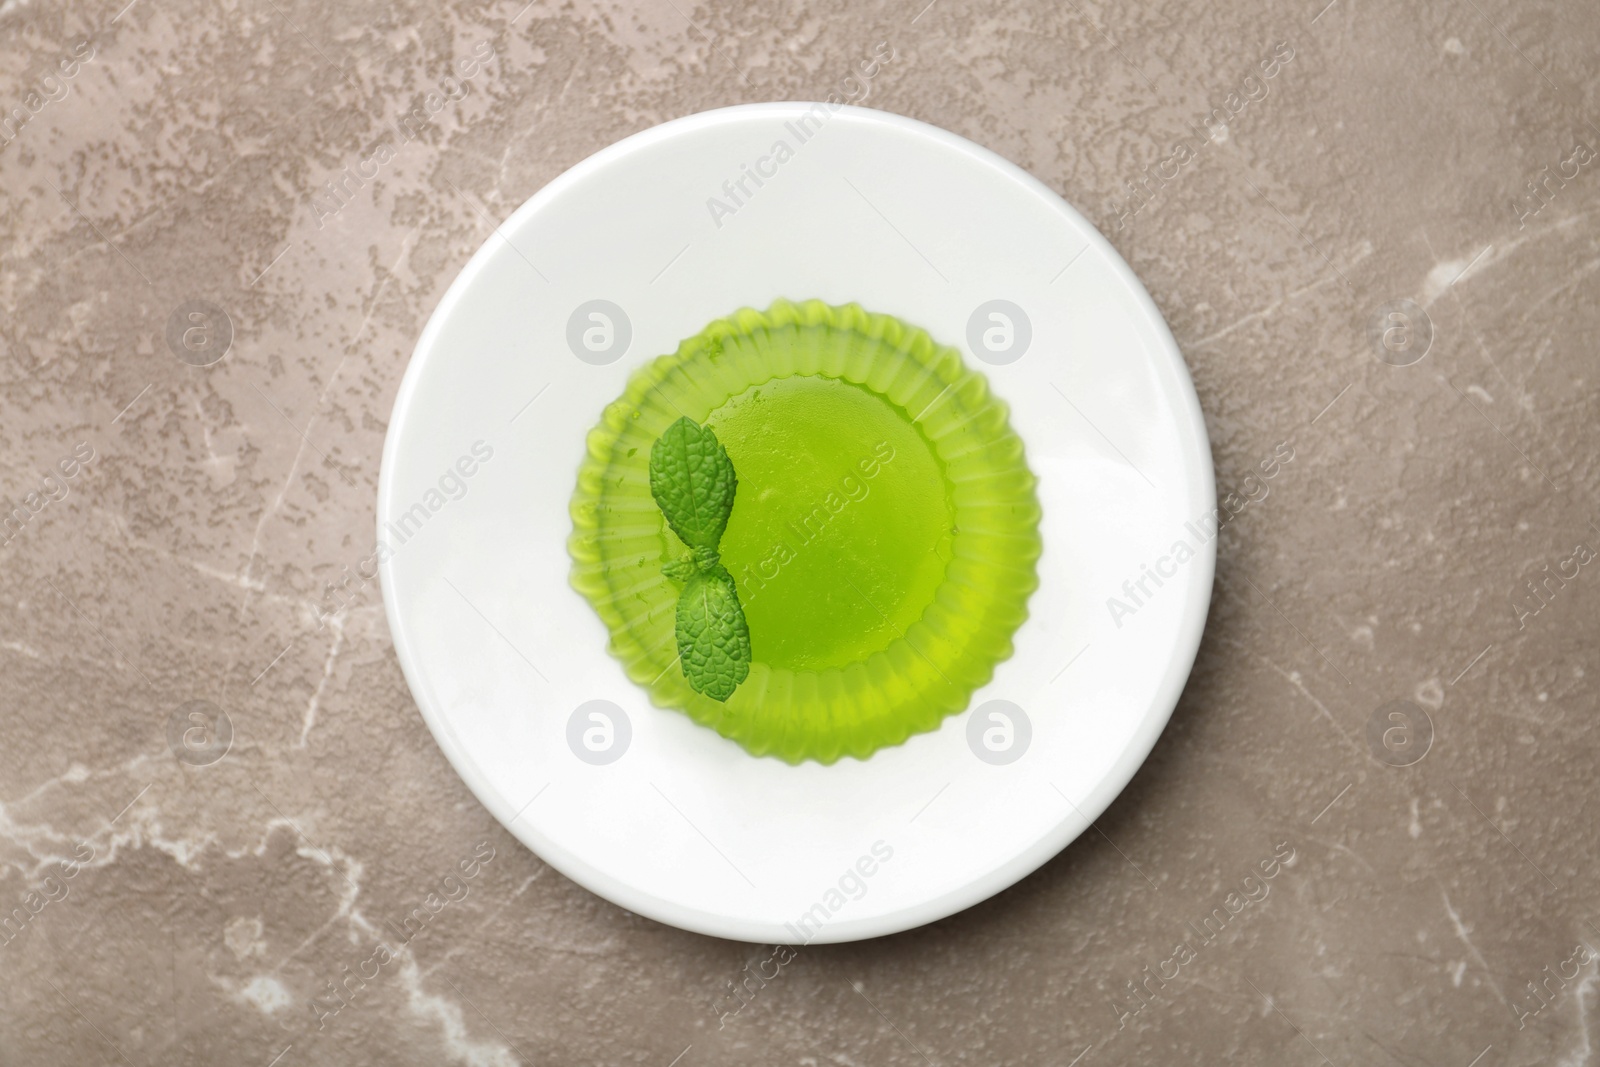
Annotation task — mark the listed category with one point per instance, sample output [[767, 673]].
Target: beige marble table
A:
[[1392, 710]]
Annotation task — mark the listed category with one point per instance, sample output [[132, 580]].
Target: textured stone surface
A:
[[1389, 159]]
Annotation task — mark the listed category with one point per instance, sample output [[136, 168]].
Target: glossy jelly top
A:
[[842, 527]]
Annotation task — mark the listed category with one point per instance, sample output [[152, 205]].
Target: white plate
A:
[[682, 825]]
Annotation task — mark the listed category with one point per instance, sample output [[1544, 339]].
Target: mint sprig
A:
[[693, 483]]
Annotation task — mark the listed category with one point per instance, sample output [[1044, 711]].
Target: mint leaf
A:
[[713, 637], [693, 482]]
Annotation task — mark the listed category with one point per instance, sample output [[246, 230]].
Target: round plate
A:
[[611, 265]]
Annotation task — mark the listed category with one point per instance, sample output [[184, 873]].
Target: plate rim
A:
[[1025, 861]]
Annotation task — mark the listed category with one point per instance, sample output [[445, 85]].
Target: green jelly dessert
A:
[[811, 529]]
